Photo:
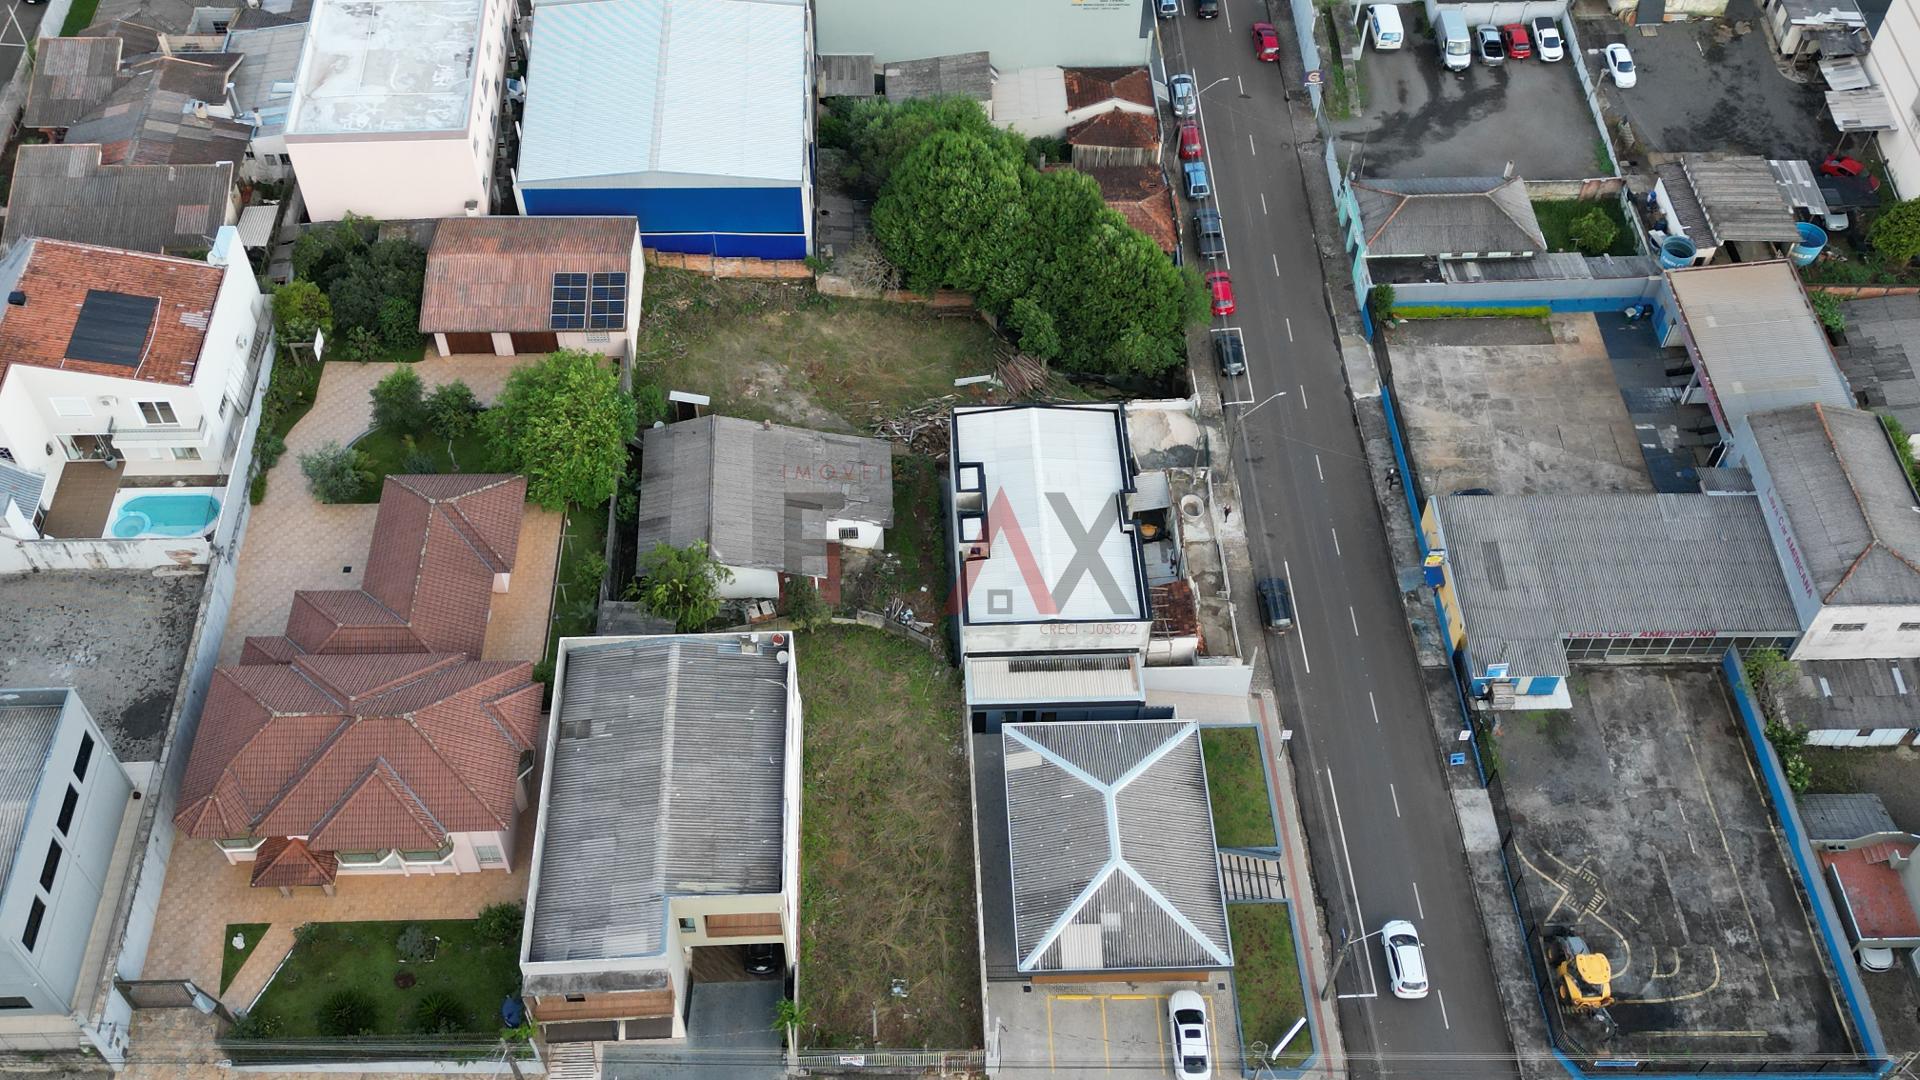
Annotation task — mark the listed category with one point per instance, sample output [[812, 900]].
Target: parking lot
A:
[[1080, 1032], [1422, 120], [1638, 824], [1705, 86]]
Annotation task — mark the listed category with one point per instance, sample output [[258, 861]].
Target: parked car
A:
[[1487, 44], [1191, 148], [762, 959], [1850, 168], [1197, 187], [1514, 37], [1167, 9], [1221, 286], [1406, 960], [1230, 353], [1276, 604], [1547, 42], [1620, 66], [1207, 9], [1209, 233], [1266, 42], [1187, 1016], [1450, 33], [1181, 93]]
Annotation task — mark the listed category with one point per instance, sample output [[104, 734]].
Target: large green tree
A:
[[876, 135], [565, 423], [952, 215], [1896, 232], [682, 584]]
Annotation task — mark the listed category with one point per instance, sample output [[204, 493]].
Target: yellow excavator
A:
[[1584, 978]]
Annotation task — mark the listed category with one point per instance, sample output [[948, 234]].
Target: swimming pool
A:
[[165, 513]]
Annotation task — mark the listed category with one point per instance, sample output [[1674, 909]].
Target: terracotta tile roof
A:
[[1093, 85], [1139, 193], [1117, 127], [283, 863], [293, 750], [56, 280], [495, 274], [1872, 896]]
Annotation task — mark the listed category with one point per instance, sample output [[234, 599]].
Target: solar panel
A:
[[608, 307], [569, 310], [112, 328]]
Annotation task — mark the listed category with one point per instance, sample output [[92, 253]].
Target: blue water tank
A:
[[1813, 240], [1676, 252]]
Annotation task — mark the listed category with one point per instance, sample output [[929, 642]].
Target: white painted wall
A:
[[1881, 637], [978, 639], [1894, 65], [751, 583], [1032, 101], [443, 174], [867, 536], [1016, 33]]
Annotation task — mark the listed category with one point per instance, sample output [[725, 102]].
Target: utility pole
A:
[[1339, 961]]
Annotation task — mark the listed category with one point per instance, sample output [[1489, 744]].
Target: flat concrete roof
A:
[[392, 67], [1756, 338]]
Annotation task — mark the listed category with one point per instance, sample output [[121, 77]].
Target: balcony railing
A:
[[158, 434]]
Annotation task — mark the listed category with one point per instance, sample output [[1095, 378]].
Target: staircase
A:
[[1251, 876], [572, 1061]]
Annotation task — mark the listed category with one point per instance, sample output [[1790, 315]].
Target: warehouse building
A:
[[693, 116]]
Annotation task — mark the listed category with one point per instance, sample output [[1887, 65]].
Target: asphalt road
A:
[[21, 25], [1379, 817]]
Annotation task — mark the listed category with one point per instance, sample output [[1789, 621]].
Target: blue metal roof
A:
[[699, 89]]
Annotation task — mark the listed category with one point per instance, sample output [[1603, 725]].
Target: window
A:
[[67, 807], [363, 858], [577, 998], [157, 412], [1848, 627], [85, 757], [488, 854], [686, 926], [15, 1003], [849, 532], [1909, 627], [70, 406], [31, 934], [186, 453], [239, 843], [428, 856], [51, 868]]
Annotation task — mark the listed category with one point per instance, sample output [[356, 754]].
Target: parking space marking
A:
[[1160, 1031], [1442, 995], [1263, 208], [1355, 619], [1299, 619], [1396, 799], [1254, 151], [1417, 905], [1375, 706], [1049, 1032], [1323, 479], [1106, 1041]]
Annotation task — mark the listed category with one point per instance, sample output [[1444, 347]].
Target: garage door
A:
[[536, 343], [470, 343]]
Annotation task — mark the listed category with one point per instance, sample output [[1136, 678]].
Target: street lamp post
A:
[[1340, 959]]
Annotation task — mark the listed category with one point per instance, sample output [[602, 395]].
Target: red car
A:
[[1851, 169], [1221, 286], [1266, 42], [1190, 148], [1519, 46]]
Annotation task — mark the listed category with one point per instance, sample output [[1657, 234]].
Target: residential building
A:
[[968, 75], [120, 370], [1845, 525], [151, 110], [1487, 217], [1139, 194], [1722, 200], [669, 829], [507, 285], [370, 738], [1868, 868], [1804, 29], [262, 93], [1893, 64], [1115, 137], [771, 502], [64, 801], [1016, 33], [1109, 853], [701, 131], [1095, 90], [1858, 703], [1754, 339], [1031, 101], [67, 192], [403, 88]]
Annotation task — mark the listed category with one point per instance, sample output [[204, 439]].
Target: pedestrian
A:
[[1229, 514]]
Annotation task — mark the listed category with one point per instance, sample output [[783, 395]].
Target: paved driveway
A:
[[1071, 1032]]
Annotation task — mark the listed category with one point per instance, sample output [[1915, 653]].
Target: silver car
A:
[[1185, 99]]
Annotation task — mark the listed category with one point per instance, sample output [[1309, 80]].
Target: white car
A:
[[1182, 96], [1187, 1015], [1548, 45], [1620, 66], [1406, 960]]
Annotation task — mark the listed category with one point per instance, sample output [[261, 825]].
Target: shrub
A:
[[399, 323], [1895, 232], [399, 402], [451, 410], [301, 310], [1380, 303], [439, 1013], [564, 422], [305, 933], [682, 584], [499, 924], [257, 488], [413, 945], [1593, 232], [1799, 773], [1828, 309], [269, 449], [1050, 149], [335, 473], [346, 1014], [258, 1024], [650, 404], [415, 461], [804, 605]]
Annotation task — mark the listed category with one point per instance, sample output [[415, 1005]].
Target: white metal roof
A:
[[1758, 338], [256, 225], [693, 88], [395, 66], [1862, 110], [1052, 474]]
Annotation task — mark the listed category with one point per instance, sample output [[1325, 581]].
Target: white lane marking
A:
[[1336, 534], [1442, 995], [1375, 706], [1303, 395], [1276, 264], [1206, 141], [1288, 321], [1252, 150], [1229, 12], [1417, 905], [1396, 799], [1240, 86], [1353, 885], [1263, 210], [1356, 620], [1323, 479], [1299, 625]]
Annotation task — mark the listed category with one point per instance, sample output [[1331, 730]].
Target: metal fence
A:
[[371, 1052]]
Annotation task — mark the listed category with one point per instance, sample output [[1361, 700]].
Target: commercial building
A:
[[396, 108], [507, 285], [1015, 33], [669, 828], [694, 116]]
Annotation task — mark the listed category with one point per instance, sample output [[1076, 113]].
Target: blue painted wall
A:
[[766, 223]]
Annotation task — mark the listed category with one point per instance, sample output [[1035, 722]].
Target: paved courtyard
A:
[[296, 542], [1074, 1032]]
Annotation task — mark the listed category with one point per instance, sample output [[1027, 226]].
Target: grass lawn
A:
[[388, 451], [1266, 979], [914, 566], [776, 351], [886, 859], [576, 601], [79, 17], [232, 959], [362, 956], [1237, 787], [1558, 215]]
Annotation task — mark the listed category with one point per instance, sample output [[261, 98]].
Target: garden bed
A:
[[387, 452], [469, 976], [1237, 788], [886, 855], [1266, 979], [232, 959], [1556, 217]]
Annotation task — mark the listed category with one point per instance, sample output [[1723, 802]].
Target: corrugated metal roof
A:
[[1447, 216], [961, 74], [256, 225], [22, 488], [1757, 337], [845, 75], [1844, 817], [1848, 502], [1797, 185], [1740, 198], [1551, 266], [1111, 839], [1532, 570], [26, 735], [264, 81], [1853, 695], [668, 779], [1861, 110], [1845, 73], [687, 88], [1042, 680]]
